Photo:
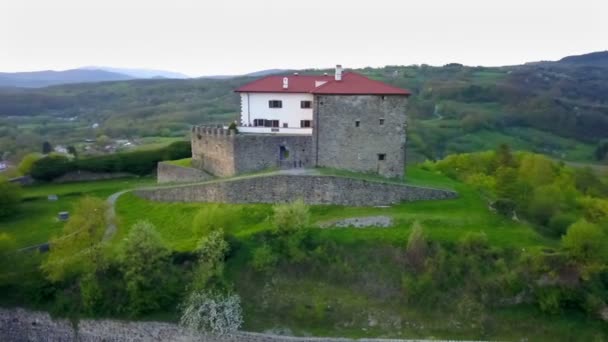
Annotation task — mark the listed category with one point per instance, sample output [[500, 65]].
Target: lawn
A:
[[446, 220], [36, 220], [186, 162]]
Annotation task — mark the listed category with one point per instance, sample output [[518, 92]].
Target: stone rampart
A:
[[224, 153], [279, 188]]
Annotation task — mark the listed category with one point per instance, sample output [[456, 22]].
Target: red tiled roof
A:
[[351, 84], [274, 84]]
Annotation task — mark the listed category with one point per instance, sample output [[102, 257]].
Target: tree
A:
[[506, 183], [211, 252], [537, 170], [504, 157], [27, 162], [416, 250], [102, 141], [290, 217], [212, 313], [146, 266], [78, 249], [601, 151], [50, 167], [47, 147], [8, 257], [584, 241], [10, 196], [72, 151]]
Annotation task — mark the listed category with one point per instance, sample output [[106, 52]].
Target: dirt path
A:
[[111, 215]]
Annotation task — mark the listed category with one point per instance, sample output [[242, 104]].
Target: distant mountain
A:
[[589, 59], [139, 73], [266, 72], [260, 73], [38, 79]]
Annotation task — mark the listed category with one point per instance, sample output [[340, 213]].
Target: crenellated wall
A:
[[223, 153], [213, 150]]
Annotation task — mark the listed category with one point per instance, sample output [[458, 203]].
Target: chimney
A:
[[338, 72], [285, 83], [296, 73]]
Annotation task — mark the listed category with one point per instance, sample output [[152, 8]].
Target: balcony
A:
[[275, 130]]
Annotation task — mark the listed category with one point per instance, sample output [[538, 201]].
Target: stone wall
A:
[[223, 153], [285, 188], [213, 150], [82, 176], [18, 325], [256, 152], [338, 142], [169, 173]]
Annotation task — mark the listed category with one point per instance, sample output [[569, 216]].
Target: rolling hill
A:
[[556, 108], [36, 79]]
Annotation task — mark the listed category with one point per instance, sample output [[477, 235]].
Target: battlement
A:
[[212, 131]]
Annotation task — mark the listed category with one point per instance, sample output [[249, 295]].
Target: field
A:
[[36, 221]]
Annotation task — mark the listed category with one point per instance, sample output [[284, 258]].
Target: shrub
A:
[[416, 250], [504, 206], [10, 196], [560, 222], [474, 244], [264, 258], [27, 162], [291, 217], [136, 162], [584, 241], [549, 300], [212, 313], [50, 167], [146, 267], [211, 252]]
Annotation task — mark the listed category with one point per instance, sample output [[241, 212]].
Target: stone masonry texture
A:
[[169, 173], [18, 325], [351, 132], [287, 188], [223, 153]]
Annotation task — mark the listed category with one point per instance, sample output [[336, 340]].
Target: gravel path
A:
[[360, 222]]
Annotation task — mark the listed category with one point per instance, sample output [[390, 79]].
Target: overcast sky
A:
[[200, 37]]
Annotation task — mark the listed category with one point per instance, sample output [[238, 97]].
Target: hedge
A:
[[136, 162]]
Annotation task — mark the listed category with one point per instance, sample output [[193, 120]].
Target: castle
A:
[[344, 121]]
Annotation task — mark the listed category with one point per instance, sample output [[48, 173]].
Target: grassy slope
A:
[[447, 220], [362, 281], [360, 285], [36, 221]]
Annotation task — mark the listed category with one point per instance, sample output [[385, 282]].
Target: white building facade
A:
[[286, 113]]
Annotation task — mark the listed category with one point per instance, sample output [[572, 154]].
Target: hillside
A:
[[36, 79], [139, 73], [558, 109], [599, 59]]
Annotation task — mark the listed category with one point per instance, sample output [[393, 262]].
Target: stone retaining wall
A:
[[169, 173], [19, 325], [81, 176], [287, 188]]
